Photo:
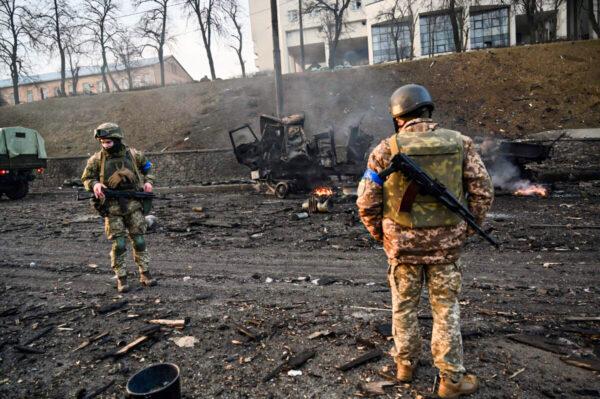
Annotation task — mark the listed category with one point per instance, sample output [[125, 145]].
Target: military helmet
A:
[[108, 130], [409, 98]]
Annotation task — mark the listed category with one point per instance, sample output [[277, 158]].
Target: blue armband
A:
[[370, 174], [146, 167]]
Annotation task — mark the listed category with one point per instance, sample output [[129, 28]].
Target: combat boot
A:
[[467, 385], [405, 372], [122, 285], [146, 279]]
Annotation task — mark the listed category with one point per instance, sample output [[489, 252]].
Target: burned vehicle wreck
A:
[[285, 160]]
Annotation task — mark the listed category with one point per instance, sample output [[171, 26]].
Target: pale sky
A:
[[187, 46]]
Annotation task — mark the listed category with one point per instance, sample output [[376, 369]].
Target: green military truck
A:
[[22, 157]]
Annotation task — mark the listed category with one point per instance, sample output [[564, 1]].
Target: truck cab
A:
[[22, 158]]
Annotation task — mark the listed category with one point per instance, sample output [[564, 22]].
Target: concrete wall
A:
[[171, 168]]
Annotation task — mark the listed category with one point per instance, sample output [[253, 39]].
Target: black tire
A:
[[19, 191], [281, 190]]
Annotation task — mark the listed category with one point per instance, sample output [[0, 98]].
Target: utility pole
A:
[[301, 34], [277, 59]]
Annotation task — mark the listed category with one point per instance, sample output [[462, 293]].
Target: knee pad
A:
[[139, 243], [119, 245]]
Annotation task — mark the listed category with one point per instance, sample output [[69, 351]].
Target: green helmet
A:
[[409, 98], [108, 130]]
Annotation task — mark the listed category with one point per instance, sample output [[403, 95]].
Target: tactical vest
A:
[[440, 154], [109, 165]]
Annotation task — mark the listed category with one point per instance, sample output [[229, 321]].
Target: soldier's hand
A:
[[98, 190], [147, 187]]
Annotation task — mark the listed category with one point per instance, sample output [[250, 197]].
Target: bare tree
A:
[[54, 24], [126, 51], [210, 21], [17, 36], [153, 28], [74, 47], [333, 21], [400, 16], [101, 23], [233, 11], [534, 11]]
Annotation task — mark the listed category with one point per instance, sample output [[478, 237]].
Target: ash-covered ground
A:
[[256, 285]]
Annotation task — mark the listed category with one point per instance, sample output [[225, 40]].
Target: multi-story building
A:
[[145, 72], [368, 36]]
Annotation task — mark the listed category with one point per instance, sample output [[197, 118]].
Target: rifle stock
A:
[[429, 186]]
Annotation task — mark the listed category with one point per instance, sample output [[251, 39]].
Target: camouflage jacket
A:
[[91, 174], [424, 245]]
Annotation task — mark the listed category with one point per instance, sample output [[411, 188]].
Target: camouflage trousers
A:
[[120, 226], [444, 286]]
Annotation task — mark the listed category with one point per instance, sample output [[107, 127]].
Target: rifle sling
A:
[[409, 197]]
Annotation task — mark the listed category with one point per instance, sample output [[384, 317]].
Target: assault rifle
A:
[[108, 193], [429, 186]]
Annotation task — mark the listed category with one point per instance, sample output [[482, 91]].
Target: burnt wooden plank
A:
[[374, 354]]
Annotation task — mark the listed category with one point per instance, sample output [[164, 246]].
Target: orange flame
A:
[[322, 192], [532, 190]]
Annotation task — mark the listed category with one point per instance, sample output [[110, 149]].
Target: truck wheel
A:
[[281, 190], [19, 191]]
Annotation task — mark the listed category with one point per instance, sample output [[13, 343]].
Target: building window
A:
[[70, 88], [124, 84], [383, 42], [56, 91], [355, 5], [29, 96], [87, 88], [436, 34], [173, 68], [292, 15], [44, 93], [490, 29]]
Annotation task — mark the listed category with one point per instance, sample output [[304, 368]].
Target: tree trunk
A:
[[206, 42], [332, 51], [211, 63], [129, 77], [162, 66], [112, 79], [592, 17], [239, 53], [15, 82], [104, 68], [61, 51], [455, 28], [75, 81], [63, 71], [162, 43]]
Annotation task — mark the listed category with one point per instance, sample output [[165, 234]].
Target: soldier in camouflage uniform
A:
[[119, 167], [422, 239]]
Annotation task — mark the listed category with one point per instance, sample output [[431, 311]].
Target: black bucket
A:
[[159, 381]]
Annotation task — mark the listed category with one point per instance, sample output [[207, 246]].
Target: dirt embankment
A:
[[507, 92]]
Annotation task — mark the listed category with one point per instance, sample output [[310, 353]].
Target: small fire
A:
[[532, 190], [322, 192]]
